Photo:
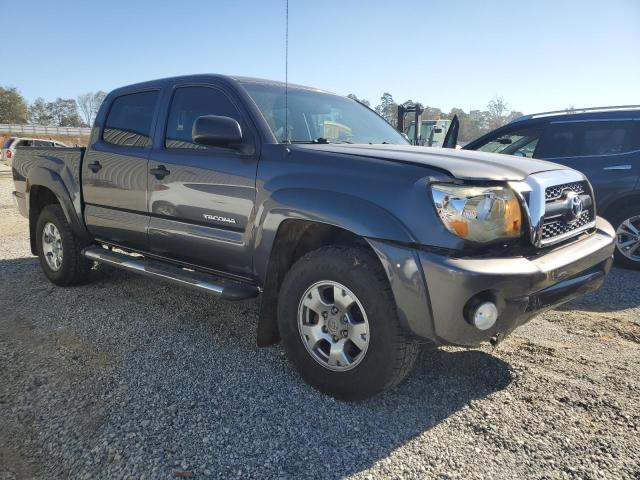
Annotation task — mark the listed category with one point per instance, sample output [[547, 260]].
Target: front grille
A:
[[555, 228], [559, 205], [555, 192], [558, 226]]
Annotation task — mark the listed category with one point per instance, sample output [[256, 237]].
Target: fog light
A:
[[485, 315]]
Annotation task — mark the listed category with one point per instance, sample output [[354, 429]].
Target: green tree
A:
[[13, 107], [432, 113], [39, 112], [388, 109], [64, 112]]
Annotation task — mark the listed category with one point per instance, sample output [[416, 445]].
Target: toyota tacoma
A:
[[359, 244]]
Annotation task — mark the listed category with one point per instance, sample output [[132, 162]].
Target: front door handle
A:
[[618, 167], [95, 166], [159, 172]]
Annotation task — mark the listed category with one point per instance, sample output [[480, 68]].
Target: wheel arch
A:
[[46, 187], [356, 215], [610, 211], [296, 221], [294, 238]]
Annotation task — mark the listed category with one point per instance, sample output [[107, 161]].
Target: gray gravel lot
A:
[[127, 378]]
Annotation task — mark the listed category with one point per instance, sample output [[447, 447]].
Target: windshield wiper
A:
[[319, 141]]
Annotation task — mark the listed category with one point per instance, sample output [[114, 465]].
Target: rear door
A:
[[201, 198], [606, 151], [114, 171]]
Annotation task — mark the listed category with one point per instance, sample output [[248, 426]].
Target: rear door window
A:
[[130, 119], [610, 138], [589, 138]]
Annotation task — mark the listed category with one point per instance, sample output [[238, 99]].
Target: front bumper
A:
[[521, 287]]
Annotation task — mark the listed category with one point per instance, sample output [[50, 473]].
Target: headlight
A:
[[478, 214]]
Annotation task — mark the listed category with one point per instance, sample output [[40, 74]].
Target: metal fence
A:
[[44, 130]]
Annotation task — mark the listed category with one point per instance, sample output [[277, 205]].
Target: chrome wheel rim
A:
[[628, 238], [333, 326], [52, 246]]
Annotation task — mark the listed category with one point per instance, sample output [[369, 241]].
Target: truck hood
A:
[[461, 164]]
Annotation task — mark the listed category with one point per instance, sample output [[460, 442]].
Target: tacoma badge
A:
[[218, 218]]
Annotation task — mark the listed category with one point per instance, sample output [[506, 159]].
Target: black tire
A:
[[75, 268], [390, 355], [616, 220]]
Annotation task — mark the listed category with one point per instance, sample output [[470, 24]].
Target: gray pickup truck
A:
[[359, 244]]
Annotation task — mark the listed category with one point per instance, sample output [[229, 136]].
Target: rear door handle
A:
[[95, 166], [159, 172], [618, 167]]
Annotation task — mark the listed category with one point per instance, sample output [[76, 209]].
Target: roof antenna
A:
[[286, 73]]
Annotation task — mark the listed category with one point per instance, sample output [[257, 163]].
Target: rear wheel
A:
[[627, 225], [339, 325], [59, 250]]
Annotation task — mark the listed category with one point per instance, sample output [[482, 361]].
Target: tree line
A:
[[472, 124], [81, 111], [61, 112]]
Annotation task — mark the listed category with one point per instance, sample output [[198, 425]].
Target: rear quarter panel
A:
[[57, 169]]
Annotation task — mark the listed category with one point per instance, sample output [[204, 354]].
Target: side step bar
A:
[[221, 287]]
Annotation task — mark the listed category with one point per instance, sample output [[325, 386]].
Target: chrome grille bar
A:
[[540, 188]]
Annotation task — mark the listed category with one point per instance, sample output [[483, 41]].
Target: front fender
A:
[[354, 214]]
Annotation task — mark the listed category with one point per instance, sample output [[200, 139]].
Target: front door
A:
[[114, 172], [451, 137], [201, 198]]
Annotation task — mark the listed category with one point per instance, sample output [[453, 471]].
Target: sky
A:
[[538, 55]]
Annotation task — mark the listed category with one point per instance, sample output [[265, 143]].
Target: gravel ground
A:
[[126, 378]]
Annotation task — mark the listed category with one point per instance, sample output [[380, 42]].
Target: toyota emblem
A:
[[575, 204]]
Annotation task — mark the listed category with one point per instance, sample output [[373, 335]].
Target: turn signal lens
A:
[[478, 214]]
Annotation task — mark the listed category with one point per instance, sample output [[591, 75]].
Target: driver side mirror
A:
[[216, 131]]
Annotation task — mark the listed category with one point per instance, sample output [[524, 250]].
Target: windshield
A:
[[8, 142], [522, 143], [317, 117]]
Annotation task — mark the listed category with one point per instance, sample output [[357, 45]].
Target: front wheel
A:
[[339, 324], [627, 225]]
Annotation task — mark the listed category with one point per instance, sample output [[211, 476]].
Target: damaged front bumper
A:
[[434, 292]]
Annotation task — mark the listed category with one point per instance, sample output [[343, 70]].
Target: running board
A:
[[221, 287]]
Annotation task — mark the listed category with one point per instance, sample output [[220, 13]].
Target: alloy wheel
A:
[[52, 246], [628, 238], [333, 326]]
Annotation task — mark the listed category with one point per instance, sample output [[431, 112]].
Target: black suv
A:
[[603, 143]]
